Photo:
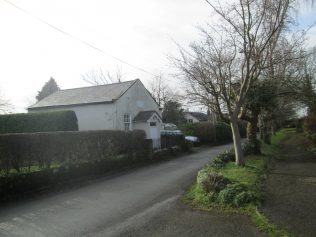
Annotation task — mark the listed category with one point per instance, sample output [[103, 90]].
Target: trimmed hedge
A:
[[210, 134], [39, 122], [62, 156], [171, 140], [18, 151]]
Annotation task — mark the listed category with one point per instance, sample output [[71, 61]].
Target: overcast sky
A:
[[140, 32]]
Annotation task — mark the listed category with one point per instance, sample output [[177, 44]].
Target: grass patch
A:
[[248, 175], [281, 135], [26, 170], [244, 193], [197, 197]]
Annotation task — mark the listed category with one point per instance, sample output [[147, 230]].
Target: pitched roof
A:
[[143, 116], [85, 95], [198, 115]]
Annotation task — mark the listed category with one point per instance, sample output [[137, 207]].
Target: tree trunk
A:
[[266, 135], [273, 128], [237, 143], [252, 127]]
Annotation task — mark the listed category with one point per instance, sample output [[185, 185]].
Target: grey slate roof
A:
[[199, 116], [85, 95], [143, 116]]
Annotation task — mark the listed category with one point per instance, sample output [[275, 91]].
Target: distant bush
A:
[[310, 123], [223, 133], [313, 137], [39, 122], [210, 133], [170, 140]]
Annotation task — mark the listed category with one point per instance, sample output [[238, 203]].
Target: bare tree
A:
[[162, 92], [231, 56], [5, 105], [98, 77]]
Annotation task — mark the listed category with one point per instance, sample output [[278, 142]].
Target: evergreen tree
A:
[[173, 113], [49, 88]]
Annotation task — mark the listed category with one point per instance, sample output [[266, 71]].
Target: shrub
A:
[[227, 195], [214, 182], [170, 140], [39, 122], [310, 123], [223, 133], [205, 132], [244, 197], [223, 158], [186, 146], [227, 156], [210, 133], [313, 138], [202, 174], [187, 128]]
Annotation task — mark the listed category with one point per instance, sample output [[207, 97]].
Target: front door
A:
[[154, 135], [153, 130]]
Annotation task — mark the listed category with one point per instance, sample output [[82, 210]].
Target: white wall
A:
[[111, 116], [189, 116], [136, 99], [146, 126], [90, 117]]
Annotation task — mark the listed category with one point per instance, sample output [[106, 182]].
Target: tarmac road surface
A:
[[144, 201]]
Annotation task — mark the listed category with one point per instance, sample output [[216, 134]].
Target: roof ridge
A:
[[76, 88]]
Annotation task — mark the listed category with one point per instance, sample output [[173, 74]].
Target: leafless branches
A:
[[5, 105], [221, 68], [98, 77]]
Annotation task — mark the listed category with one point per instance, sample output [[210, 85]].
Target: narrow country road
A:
[[119, 205]]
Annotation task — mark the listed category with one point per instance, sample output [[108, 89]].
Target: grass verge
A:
[[245, 200]]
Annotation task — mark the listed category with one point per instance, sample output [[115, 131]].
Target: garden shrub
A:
[[222, 158], [39, 122], [213, 196], [227, 195], [202, 174], [243, 198], [214, 182]]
